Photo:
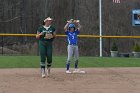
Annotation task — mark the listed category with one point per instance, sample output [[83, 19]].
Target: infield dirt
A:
[[95, 80]]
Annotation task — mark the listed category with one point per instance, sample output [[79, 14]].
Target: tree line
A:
[[25, 16]]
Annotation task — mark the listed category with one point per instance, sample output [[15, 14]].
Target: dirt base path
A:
[[96, 80]]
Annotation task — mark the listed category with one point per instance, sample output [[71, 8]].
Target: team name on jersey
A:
[[47, 31], [72, 34]]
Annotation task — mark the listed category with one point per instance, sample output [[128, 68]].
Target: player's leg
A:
[[42, 50], [49, 57], [70, 53], [76, 56]]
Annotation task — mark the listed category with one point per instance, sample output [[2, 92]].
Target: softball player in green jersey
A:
[[46, 34]]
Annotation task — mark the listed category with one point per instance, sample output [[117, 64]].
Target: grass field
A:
[[59, 62]]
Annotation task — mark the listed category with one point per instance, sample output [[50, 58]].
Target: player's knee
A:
[[69, 59], [43, 60], [68, 62]]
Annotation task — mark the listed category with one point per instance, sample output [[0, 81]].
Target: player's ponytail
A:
[[43, 23]]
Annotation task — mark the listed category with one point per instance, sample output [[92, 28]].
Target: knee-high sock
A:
[[76, 64], [68, 65], [42, 66]]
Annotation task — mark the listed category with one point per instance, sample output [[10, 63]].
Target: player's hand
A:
[[48, 36], [38, 35], [70, 21], [41, 33], [76, 21]]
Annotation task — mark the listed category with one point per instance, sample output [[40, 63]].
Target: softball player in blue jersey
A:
[[71, 31]]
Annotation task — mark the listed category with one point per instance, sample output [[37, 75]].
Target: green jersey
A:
[[49, 30]]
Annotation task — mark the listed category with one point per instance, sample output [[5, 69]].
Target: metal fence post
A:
[[2, 45]]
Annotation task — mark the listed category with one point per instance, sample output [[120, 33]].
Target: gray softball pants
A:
[[72, 50]]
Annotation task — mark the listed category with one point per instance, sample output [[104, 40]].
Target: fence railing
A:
[[20, 43], [82, 36]]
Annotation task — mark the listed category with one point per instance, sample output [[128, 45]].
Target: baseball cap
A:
[[48, 18], [71, 26]]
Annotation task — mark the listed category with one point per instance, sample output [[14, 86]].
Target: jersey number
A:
[[72, 37]]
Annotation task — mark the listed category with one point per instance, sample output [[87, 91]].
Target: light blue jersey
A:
[[72, 37]]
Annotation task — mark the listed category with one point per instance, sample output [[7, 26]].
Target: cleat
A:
[[43, 75], [68, 72], [48, 71]]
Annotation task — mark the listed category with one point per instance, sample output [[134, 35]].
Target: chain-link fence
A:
[[88, 45]]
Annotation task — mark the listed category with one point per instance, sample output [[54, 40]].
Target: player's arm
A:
[[54, 34], [38, 35], [65, 27], [78, 26]]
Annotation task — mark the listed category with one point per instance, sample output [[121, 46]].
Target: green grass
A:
[[59, 62]]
